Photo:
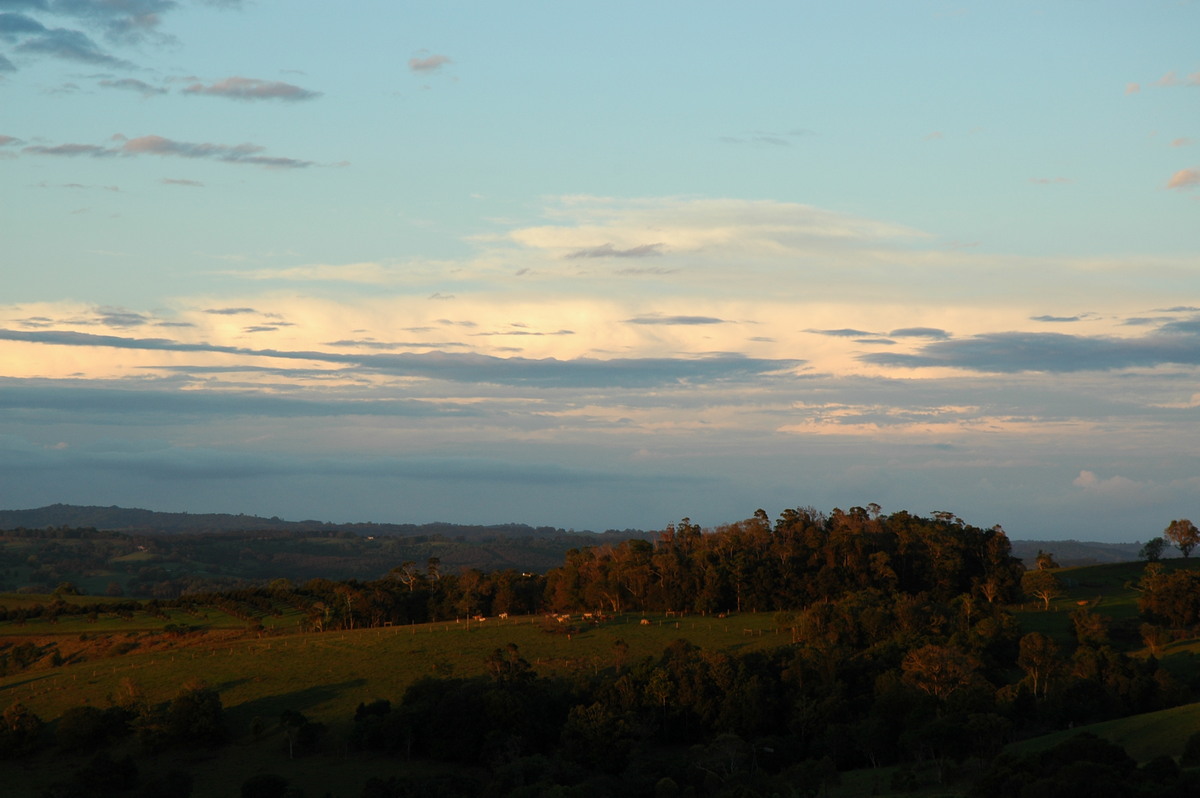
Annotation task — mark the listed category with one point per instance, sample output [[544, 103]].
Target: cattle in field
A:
[[503, 616], [645, 622]]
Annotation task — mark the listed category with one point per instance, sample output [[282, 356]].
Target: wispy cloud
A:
[[72, 45], [767, 138], [237, 88], [230, 311], [132, 84], [846, 332], [251, 154], [178, 181], [71, 150], [609, 251], [239, 153], [685, 320], [1172, 79], [429, 63], [1184, 178], [920, 332], [1062, 319]]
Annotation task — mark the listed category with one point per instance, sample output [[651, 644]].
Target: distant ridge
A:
[[137, 521], [1068, 553]]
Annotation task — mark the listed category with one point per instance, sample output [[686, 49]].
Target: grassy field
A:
[[325, 676]]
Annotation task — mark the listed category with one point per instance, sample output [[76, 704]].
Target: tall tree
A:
[[1041, 585], [1183, 535]]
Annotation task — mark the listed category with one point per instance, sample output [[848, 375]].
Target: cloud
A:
[[767, 138], [919, 332], [1010, 352], [1058, 319], [71, 150], [685, 320], [609, 251], [6, 141], [6, 65], [13, 26], [1184, 178], [230, 311], [72, 45], [120, 317], [1050, 181], [430, 63], [132, 84], [236, 88], [1132, 88], [178, 181], [158, 145], [161, 402], [394, 345], [467, 368], [1113, 487], [718, 229], [1172, 79], [122, 21], [842, 333], [239, 153], [1181, 142]]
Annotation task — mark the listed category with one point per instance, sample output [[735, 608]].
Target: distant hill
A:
[[1069, 553], [136, 521]]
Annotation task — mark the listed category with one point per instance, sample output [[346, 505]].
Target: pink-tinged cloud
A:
[[236, 88], [6, 140], [1133, 88], [157, 145], [1183, 142], [429, 64], [1184, 178], [1172, 79], [240, 153]]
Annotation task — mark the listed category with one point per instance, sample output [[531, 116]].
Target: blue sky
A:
[[603, 265]]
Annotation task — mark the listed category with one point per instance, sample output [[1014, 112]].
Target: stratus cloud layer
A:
[[692, 329]]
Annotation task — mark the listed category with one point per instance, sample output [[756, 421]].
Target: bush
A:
[[1191, 751]]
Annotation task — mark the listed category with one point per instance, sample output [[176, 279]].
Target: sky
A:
[[603, 265]]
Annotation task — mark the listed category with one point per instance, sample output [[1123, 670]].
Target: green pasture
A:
[[326, 675], [1142, 736]]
